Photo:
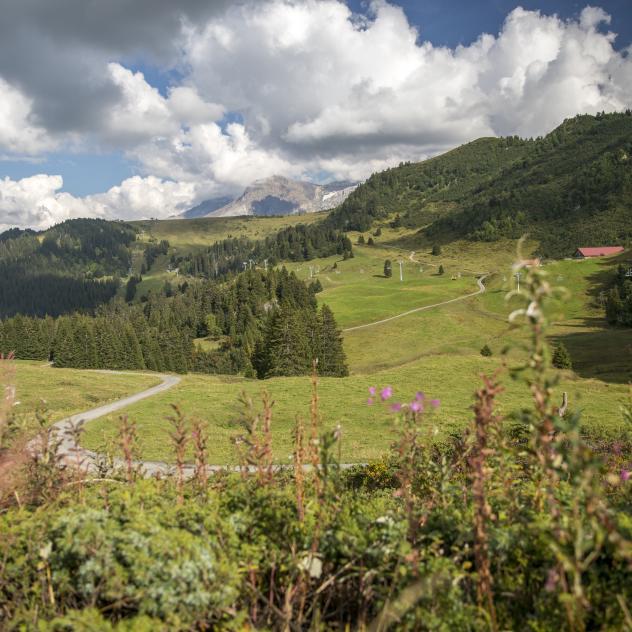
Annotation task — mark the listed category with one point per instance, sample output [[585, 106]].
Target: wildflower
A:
[[625, 475], [552, 579], [416, 406], [386, 393], [369, 402], [435, 403], [371, 390], [419, 396], [396, 407]]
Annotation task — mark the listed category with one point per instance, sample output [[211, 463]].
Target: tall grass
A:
[[517, 523]]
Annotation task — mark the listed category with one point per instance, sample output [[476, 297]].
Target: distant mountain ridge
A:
[[276, 195], [205, 208]]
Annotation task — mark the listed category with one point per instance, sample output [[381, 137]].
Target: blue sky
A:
[[141, 108], [444, 23], [453, 22]]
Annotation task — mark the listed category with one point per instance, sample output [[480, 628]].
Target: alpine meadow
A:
[[315, 316]]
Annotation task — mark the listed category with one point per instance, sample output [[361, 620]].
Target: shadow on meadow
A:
[[599, 350]]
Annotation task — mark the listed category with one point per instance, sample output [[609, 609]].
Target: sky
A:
[[143, 108]]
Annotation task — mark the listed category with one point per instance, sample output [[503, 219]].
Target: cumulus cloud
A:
[[38, 202], [315, 89]]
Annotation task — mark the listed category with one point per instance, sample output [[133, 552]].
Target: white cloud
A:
[[319, 89], [38, 202], [18, 134]]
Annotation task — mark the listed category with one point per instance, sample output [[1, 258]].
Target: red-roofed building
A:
[[602, 251]]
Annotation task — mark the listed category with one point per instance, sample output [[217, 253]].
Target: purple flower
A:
[[552, 579], [371, 390], [369, 402], [396, 407], [419, 396], [386, 393], [435, 402], [625, 475], [416, 406]]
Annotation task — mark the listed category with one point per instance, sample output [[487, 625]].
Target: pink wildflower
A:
[[625, 475], [419, 396], [386, 393], [396, 407], [416, 406], [435, 402], [369, 402], [371, 390]]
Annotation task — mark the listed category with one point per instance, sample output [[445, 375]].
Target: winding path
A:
[[481, 289], [74, 455]]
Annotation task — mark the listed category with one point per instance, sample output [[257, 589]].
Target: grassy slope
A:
[[64, 392], [191, 233], [436, 351], [186, 235]]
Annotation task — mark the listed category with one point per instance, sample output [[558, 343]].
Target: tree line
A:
[[264, 324], [618, 304], [295, 243], [73, 266]]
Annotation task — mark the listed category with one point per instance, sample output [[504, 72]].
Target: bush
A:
[[441, 269], [436, 250], [486, 351]]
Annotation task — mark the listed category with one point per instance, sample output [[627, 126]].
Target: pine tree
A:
[[329, 350], [388, 268], [288, 345], [561, 357], [436, 250]]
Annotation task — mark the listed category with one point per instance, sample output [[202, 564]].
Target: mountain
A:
[[572, 187], [276, 196], [207, 207]]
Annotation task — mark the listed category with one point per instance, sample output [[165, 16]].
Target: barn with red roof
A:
[[599, 251]]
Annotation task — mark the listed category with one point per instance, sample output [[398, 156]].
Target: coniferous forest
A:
[[295, 243], [572, 184], [619, 299], [264, 323], [73, 266]]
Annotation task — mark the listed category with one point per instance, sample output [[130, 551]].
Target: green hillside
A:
[[572, 187], [68, 267]]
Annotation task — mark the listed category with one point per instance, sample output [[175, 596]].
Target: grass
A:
[[187, 234], [437, 350], [64, 392], [358, 292], [367, 430]]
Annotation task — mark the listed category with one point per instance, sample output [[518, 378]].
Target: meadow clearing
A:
[[436, 351]]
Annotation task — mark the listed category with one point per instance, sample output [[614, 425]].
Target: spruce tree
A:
[[561, 357], [332, 360], [289, 349]]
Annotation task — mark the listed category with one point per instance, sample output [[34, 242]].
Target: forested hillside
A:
[[295, 243], [266, 321], [572, 187], [69, 267]]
